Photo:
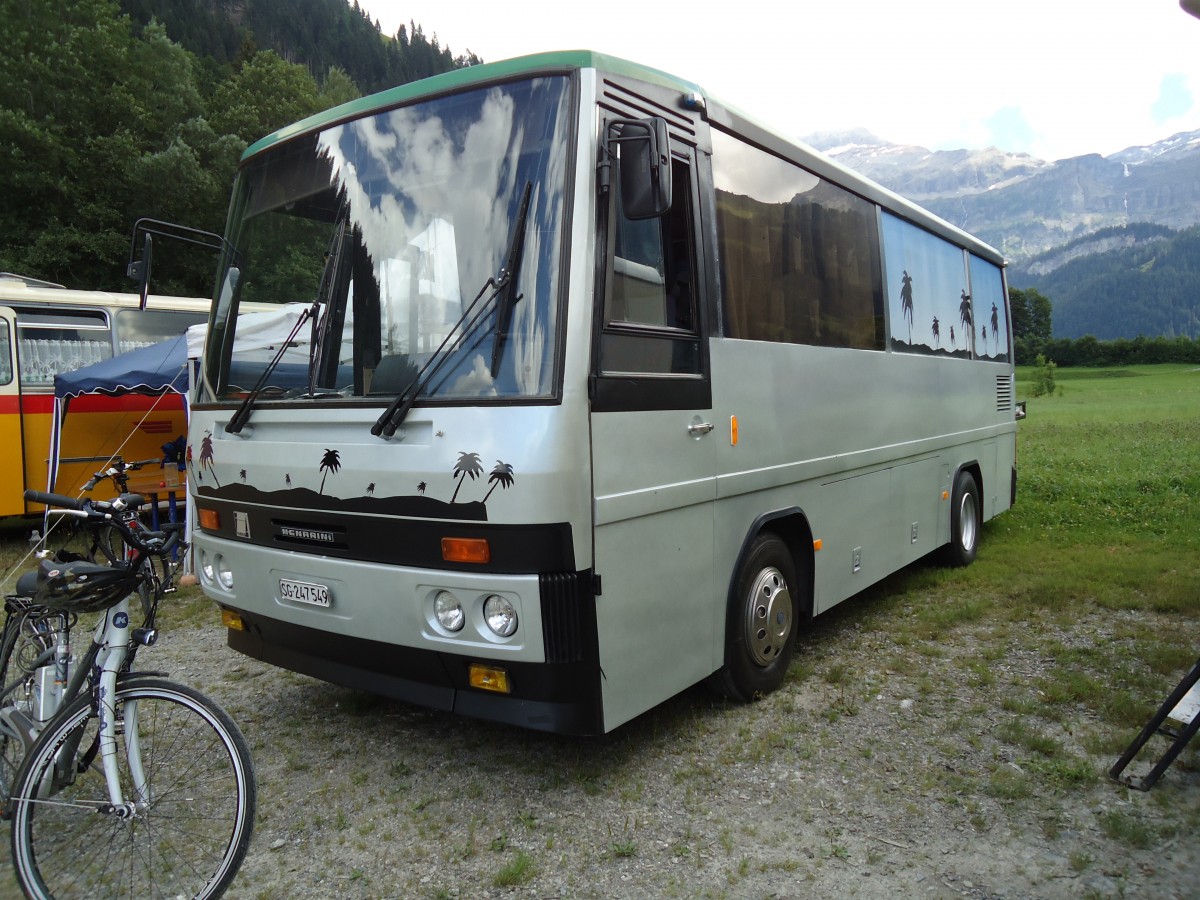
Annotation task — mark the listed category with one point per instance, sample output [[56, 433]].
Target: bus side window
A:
[[6, 372], [650, 321]]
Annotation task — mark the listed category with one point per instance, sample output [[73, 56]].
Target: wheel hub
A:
[[768, 616]]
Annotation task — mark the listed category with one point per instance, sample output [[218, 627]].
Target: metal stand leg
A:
[[1158, 723]]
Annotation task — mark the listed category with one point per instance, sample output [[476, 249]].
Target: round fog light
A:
[[500, 615], [206, 567], [224, 574], [449, 611]]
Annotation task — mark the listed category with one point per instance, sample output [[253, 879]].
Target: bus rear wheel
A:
[[965, 521], [761, 625]]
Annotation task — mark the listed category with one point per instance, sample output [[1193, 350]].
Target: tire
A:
[[27, 636], [760, 632], [965, 521], [188, 840], [12, 750]]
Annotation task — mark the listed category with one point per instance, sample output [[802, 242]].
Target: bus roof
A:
[[718, 113], [16, 290], [558, 61]]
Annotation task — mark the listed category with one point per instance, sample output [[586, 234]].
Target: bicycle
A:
[[135, 786], [106, 542]]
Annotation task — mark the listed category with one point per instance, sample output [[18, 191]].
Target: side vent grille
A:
[[1004, 393], [566, 612], [629, 104]]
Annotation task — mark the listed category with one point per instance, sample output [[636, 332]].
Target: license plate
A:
[[304, 592]]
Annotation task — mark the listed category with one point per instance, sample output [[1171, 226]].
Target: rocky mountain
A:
[[1026, 206]]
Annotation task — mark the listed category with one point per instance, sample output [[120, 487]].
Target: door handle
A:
[[700, 428]]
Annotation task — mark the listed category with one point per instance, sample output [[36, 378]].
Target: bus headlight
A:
[[449, 611], [224, 574], [500, 615]]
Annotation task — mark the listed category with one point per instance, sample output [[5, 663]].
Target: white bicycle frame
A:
[[112, 634]]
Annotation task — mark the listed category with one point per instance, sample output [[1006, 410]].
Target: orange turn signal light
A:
[[210, 519], [232, 620], [466, 550]]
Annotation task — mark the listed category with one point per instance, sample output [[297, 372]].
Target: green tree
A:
[[1031, 323], [265, 94]]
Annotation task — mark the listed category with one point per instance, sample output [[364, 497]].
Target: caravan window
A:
[[60, 341], [141, 328]]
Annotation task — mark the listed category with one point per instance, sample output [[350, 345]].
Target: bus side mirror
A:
[[139, 270], [644, 165]]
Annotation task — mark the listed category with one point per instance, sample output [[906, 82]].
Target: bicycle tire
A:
[[20, 636], [188, 840], [12, 751]]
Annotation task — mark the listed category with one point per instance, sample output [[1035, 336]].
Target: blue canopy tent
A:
[[155, 370]]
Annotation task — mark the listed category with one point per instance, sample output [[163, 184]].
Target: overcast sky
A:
[[1055, 78]]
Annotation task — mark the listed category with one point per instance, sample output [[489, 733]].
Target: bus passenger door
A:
[[12, 485], [653, 459]]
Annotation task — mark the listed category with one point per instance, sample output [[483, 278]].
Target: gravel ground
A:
[[870, 785]]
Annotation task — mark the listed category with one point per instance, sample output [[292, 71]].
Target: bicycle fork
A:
[[115, 649]]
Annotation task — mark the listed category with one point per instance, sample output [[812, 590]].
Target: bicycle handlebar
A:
[[45, 499], [118, 468], [97, 508]]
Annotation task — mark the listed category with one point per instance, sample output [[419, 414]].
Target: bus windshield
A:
[[424, 239]]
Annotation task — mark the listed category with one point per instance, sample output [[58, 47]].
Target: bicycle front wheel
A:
[[187, 820]]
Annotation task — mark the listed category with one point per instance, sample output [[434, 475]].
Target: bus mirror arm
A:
[[643, 166], [139, 269]]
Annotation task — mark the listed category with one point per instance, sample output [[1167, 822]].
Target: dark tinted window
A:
[[799, 255]]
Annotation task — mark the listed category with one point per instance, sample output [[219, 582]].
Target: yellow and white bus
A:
[[46, 330], [596, 389]]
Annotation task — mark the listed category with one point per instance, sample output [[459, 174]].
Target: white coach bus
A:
[[584, 388]]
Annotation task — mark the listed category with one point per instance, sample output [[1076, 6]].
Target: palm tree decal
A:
[[206, 456], [242, 475], [468, 464], [906, 302], [287, 478], [371, 489], [964, 316], [501, 475], [937, 333], [330, 462], [953, 340], [421, 488], [996, 327]]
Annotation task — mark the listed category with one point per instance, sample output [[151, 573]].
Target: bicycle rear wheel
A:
[[185, 837], [29, 636]]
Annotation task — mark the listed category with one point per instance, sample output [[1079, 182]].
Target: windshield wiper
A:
[[502, 285], [242, 414], [508, 279], [398, 409]]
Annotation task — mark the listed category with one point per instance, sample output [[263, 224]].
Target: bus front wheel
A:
[[965, 520], [761, 626]]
